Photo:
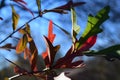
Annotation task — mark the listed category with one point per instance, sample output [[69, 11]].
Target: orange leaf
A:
[[21, 44], [51, 35]]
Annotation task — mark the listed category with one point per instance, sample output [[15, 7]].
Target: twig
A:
[[18, 29]]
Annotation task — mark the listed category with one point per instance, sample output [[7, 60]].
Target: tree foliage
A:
[[80, 46]]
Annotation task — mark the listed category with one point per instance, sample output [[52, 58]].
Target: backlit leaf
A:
[[93, 25], [75, 27], [21, 44], [15, 18], [38, 5], [51, 35], [25, 30], [88, 43]]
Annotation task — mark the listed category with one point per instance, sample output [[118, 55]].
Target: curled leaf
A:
[[15, 18]]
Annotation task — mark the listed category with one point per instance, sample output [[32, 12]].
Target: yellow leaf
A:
[[15, 18], [21, 44]]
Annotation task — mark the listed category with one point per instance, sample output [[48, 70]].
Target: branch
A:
[[19, 29]]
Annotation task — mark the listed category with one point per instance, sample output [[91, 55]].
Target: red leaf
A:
[[51, 35], [69, 5], [27, 54], [89, 43]]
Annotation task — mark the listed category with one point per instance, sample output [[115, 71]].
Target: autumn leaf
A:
[[15, 18], [61, 9], [88, 43], [75, 27], [51, 35], [38, 2], [7, 47], [51, 52], [69, 5], [93, 26], [27, 54], [21, 44], [23, 3], [34, 55], [20, 1]]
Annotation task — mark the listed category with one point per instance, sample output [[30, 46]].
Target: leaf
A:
[[75, 27], [109, 53], [15, 18], [7, 47], [21, 44], [27, 54], [93, 25], [88, 44], [51, 35], [61, 9], [51, 52], [38, 5], [34, 56], [20, 1], [25, 30], [69, 5]]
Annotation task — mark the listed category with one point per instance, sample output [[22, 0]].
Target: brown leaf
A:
[[34, 56], [27, 54], [7, 47], [49, 55], [21, 44]]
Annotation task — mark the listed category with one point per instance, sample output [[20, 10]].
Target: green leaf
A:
[[109, 53], [21, 44], [75, 27], [15, 18], [38, 2], [93, 25]]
